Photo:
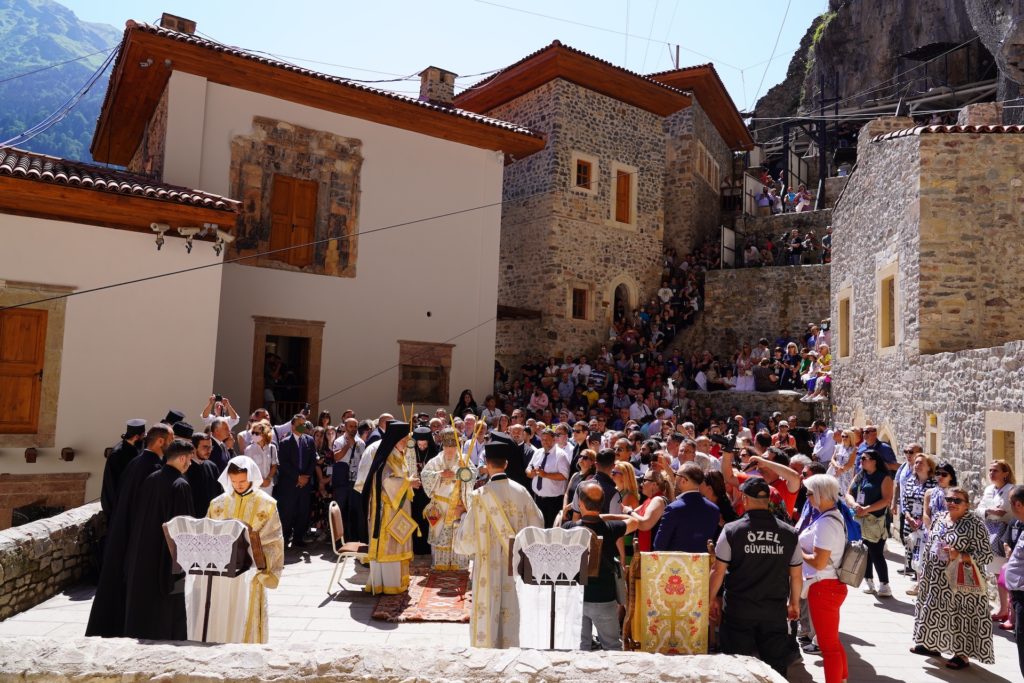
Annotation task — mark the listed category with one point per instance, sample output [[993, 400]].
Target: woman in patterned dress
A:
[[843, 460], [947, 620], [912, 492]]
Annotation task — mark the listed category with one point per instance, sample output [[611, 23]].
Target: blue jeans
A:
[[605, 617]]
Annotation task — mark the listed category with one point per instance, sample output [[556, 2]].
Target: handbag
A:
[[873, 528], [964, 578], [854, 563]]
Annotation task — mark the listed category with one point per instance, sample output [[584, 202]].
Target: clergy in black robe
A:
[[519, 456], [155, 597], [425, 450], [106, 619], [120, 455], [203, 476]]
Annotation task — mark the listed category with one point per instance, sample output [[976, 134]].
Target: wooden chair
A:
[[341, 549]]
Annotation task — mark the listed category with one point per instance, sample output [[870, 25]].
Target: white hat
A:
[[246, 463]]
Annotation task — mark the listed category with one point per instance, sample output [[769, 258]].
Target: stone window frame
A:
[[634, 175], [412, 353], [933, 428], [890, 270], [13, 292], [595, 174], [1001, 421], [843, 333], [588, 305]]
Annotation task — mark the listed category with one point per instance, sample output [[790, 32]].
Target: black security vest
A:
[[757, 584]]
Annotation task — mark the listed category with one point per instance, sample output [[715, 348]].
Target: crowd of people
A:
[[779, 502]]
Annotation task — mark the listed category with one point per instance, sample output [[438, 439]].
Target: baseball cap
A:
[[756, 487]]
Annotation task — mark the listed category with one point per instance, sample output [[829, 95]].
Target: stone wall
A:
[[333, 161], [128, 661], [745, 304], [761, 228], [63, 490], [692, 206], [885, 220], [148, 159], [970, 204], [40, 559], [729, 403], [556, 237]]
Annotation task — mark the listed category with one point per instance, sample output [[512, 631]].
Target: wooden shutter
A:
[[293, 219], [303, 221], [281, 217], [22, 347], [622, 198]]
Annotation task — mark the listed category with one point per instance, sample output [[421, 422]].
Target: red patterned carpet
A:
[[432, 596]]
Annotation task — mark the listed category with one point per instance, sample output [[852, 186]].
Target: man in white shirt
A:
[[348, 452], [581, 374], [639, 410], [219, 406], [549, 474], [824, 443], [698, 451], [1015, 572]]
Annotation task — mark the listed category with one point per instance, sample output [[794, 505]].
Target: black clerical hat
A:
[[134, 428], [498, 450], [502, 437], [173, 416], [183, 430], [422, 434]]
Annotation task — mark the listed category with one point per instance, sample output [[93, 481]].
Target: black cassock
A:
[[153, 608], [202, 476], [517, 462], [113, 472], [107, 616], [420, 500]]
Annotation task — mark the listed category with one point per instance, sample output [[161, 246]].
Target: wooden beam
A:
[[137, 91], [36, 199]]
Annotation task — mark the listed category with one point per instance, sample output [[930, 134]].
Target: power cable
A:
[[258, 254], [650, 33], [774, 48], [56, 64]]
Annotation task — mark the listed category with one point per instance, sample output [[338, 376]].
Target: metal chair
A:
[[342, 549]]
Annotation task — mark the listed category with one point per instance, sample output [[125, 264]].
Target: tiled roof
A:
[[926, 130], [17, 163], [555, 44], [709, 65], [227, 49]]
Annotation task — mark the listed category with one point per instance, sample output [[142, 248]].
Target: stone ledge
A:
[[77, 659]]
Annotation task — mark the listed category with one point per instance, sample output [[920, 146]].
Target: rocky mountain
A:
[[35, 34], [857, 44]]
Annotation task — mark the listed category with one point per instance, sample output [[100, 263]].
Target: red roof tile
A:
[[18, 163], [931, 130]]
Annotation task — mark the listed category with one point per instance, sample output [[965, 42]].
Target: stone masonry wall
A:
[[556, 237], [692, 206], [972, 189], [879, 221], [128, 661], [745, 304], [39, 559], [148, 159], [728, 403]]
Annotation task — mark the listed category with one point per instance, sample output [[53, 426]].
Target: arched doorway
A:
[[621, 304]]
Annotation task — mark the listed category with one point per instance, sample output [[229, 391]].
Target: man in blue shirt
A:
[[871, 442], [691, 520]]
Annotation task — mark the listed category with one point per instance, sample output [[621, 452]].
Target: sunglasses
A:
[[955, 501], [943, 474], [649, 481], [578, 431]]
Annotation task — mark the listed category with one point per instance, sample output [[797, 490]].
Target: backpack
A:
[[854, 563], [853, 533]]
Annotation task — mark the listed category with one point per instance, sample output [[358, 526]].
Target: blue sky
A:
[[401, 37]]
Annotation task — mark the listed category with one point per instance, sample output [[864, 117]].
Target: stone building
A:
[[926, 290], [367, 241], [632, 163]]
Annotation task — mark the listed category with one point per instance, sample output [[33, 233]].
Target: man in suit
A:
[[691, 520], [223, 443], [295, 479]]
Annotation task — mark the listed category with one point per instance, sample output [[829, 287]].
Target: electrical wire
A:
[[654, 15], [55, 65], [774, 48], [258, 254]]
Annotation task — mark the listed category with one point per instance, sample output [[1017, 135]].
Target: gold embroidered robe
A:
[[445, 495], [391, 536], [259, 511]]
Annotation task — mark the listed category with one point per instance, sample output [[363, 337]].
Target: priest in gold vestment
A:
[[239, 610], [387, 477], [497, 511]]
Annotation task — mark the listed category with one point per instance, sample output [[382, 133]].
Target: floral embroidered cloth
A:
[[670, 612]]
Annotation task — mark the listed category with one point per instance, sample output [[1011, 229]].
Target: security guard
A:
[[758, 561]]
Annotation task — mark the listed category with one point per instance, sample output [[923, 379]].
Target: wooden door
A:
[[623, 201], [22, 347], [293, 220]]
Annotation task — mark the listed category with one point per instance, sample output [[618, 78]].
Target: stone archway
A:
[[623, 296]]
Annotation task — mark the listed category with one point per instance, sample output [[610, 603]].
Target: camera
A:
[[218, 398], [727, 442]]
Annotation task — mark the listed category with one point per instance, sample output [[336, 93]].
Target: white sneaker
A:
[[884, 591], [869, 587]]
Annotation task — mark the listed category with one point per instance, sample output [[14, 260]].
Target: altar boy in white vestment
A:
[[238, 612], [497, 512]]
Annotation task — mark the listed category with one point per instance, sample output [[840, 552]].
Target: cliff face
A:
[[857, 43], [1002, 32]]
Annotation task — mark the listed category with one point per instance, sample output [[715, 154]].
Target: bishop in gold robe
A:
[[497, 511], [387, 478], [448, 478]]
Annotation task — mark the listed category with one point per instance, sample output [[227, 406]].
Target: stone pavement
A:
[[876, 632]]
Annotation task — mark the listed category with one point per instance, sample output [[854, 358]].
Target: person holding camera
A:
[[219, 406]]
